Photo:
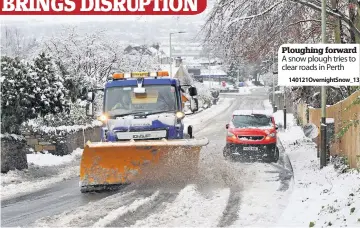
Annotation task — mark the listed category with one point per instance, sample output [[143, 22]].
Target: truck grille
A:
[[141, 135], [247, 137]]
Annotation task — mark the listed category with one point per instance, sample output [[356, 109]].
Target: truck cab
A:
[[143, 106]]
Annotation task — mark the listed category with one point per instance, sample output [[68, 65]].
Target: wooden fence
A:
[[349, 144]]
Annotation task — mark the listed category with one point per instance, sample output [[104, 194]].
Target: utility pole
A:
[[170, 59], [284, 100], [171, 49], [210, 79], [238, 77], [273, 69], [323, 150]]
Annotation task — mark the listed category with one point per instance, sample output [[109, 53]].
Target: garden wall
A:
[[61, 140]]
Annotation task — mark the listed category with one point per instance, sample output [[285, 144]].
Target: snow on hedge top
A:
[[73, 128], [12, 136], [253, 112]]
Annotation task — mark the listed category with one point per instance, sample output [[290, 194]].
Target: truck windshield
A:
[[123, 100], [243, 121]]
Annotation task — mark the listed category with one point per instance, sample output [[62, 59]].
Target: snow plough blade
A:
[[116, 163]]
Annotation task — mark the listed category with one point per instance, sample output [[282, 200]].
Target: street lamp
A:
[[171, 50]]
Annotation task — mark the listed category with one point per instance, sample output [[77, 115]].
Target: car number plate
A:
[[251, 148]]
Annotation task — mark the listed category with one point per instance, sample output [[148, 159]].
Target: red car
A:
[[252, 133]]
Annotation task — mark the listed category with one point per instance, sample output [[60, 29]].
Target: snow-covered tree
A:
[[17, 97], [85, 61], [50, 93], [28, 91]]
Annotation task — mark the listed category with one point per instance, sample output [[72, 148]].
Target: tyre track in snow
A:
[[155, 206], [230, 214], [192, 207], [107, 211]]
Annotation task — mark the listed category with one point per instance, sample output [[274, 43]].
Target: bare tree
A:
[[14, 43]]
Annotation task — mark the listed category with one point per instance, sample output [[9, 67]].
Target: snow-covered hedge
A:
[[29, 90], [204, 95]]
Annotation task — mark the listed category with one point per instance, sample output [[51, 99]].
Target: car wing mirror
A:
[[276, 127], [227, 126]]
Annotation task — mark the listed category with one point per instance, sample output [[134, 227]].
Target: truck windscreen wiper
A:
[[127, 114], [159, 112]]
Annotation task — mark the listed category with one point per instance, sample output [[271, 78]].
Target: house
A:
[[143, 49], [213, 74], [178, 70]]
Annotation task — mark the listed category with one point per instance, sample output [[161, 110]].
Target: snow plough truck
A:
[[143, 131]]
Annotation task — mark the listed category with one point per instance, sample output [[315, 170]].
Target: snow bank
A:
[[267, 105], [250, 84], [321, 197], [48, 159], [244, 90], [44, 170], [279, 119]]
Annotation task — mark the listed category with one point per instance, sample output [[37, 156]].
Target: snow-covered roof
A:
[[213, 72], [166, 67], [153, 50], [251, 112]]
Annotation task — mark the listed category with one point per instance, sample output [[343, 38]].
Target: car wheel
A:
[[226, 152], [276, 155]]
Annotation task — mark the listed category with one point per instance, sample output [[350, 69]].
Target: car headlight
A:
[[272, 135], [230, 134]]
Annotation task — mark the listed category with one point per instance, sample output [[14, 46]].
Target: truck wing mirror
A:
[[90, 96], [193, 91], [90, 109], [194, 105]]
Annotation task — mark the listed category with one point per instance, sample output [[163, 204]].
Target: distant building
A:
[[215, 74], [143, 49]]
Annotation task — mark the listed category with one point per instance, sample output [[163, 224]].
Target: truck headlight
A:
[[103, 118], [180, 115]]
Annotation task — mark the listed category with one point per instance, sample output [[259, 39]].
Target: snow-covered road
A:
[[224, 193]]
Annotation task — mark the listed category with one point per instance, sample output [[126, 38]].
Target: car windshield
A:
[[242, 121], [123, 100]]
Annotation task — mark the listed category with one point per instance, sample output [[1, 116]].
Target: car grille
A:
[[247, 137]]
